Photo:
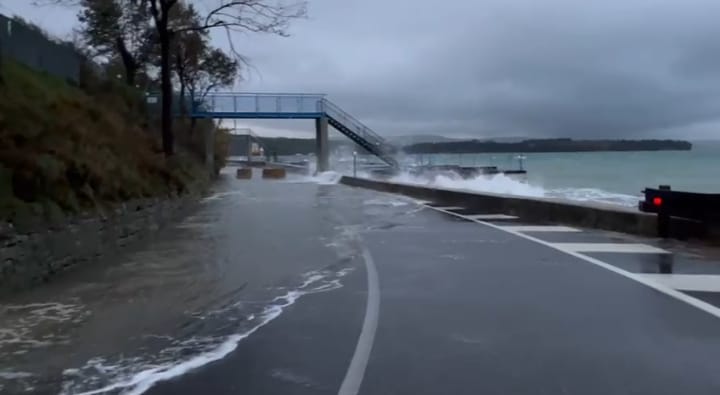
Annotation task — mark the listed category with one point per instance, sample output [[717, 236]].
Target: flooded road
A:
[[186, 296], [304, 287]]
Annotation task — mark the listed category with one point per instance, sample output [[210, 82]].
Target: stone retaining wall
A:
[[32, 254]]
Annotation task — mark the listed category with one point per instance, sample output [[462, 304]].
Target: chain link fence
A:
[[30, 46]]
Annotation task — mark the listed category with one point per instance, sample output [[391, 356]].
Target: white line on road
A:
[[628, 248], [704, 306], [356, 371], [687, 282], [532, 228], [491, 217], [445, 208]]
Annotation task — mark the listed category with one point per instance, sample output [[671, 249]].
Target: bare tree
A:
[[262, 16], [259, 16], [188, 48], [216, 70]]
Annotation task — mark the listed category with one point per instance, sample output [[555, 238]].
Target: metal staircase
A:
[[359, 133], [293, 106]]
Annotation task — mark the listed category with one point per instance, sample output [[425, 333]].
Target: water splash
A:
[[386, 202], [498, 183], [594, 195], [324, 178], [18, 333], [503, 184], [135, 375]]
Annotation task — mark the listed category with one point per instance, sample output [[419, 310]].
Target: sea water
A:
[[605, 177]]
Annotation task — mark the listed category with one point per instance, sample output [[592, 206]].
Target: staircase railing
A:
[[333, 111], [288, 105]]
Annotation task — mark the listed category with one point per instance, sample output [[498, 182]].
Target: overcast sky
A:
[[488, 68]]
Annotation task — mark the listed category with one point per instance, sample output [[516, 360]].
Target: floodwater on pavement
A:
[[190, 293]]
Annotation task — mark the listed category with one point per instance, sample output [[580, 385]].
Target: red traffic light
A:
[[657, 201]]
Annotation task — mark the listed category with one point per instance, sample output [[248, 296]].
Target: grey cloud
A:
[[612, 68]]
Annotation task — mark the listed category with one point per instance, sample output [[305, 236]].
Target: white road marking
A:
[[628, 248], [491, 216], [687, 282], [704, 306], [445, 208], [356, 371], [531, 228]]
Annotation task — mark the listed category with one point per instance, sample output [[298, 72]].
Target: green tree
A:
[[117, 30]]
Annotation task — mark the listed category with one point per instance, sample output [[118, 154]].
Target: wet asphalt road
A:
[[464, 308]]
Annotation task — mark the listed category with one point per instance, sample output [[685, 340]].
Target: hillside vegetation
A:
[[65, 149]]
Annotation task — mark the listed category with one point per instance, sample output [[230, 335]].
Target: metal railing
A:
[[381, 147], [290, 105], [333, 111], [281, 103]]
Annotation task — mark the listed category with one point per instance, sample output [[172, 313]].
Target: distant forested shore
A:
[[547, 145], [291, 146]]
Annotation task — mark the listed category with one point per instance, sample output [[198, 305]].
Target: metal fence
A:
[[29, 46]]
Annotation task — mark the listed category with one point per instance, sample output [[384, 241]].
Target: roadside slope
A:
[[66, 149]]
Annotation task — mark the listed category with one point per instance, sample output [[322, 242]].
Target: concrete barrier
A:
[[291, 167], [273, 172], [543, 210], [244, 173]]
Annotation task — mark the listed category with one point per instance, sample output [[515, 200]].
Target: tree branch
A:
[[154, 10], [261, 17]]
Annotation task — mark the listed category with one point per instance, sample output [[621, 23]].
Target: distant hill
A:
[[419, 138], [547, 145], [286, 146], [291, 146]]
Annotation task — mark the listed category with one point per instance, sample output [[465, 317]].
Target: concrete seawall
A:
[[548, 210]]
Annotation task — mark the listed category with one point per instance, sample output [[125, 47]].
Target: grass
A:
[[65, 149]]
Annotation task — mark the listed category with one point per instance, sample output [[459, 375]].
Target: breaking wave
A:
[[503, 184]]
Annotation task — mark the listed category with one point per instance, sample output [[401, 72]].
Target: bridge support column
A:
[[322, 151], [249, 149], [210, 151]]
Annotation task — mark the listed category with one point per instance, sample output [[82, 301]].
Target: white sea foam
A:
[[11, 375], [134, 376], [498, 183], [19, 322], [385, 202], [16, 382], [311, 278], [326, 178], [222, 195], [508, 185], [594, 195]]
